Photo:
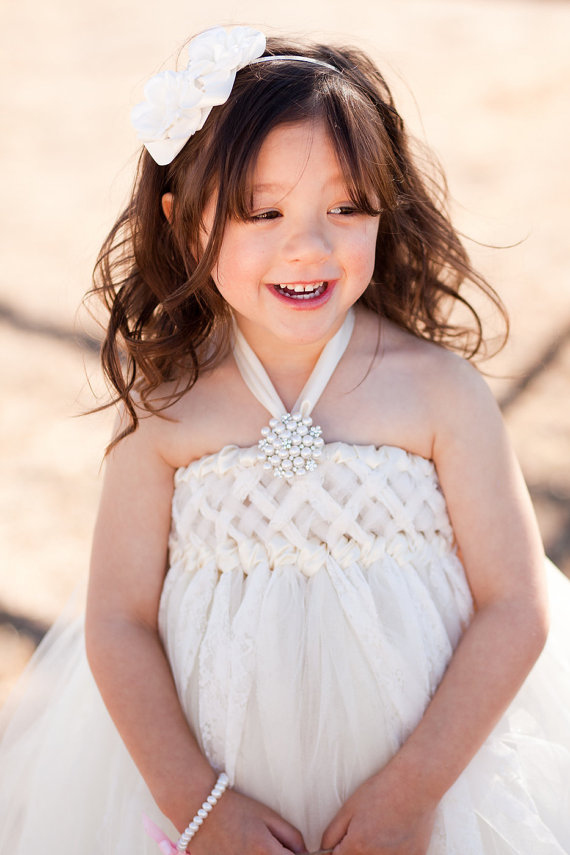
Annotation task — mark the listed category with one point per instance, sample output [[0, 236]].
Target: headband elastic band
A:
[[297, 58]]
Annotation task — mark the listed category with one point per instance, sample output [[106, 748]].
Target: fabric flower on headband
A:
[[177, 103]]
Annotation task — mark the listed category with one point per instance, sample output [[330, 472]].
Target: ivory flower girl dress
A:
[[307, 620]]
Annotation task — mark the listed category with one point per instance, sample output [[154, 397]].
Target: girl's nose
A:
[[308, 243]]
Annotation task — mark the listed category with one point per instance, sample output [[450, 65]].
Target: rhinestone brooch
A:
[[290, 445]]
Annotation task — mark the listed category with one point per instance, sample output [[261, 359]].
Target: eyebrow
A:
[[272, 187], [257, 188]]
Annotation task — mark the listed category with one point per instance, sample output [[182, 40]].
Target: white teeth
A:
[[302, 289]]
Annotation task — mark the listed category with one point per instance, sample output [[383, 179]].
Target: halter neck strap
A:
[[257, 380]]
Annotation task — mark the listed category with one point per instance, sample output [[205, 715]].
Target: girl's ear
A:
[[167, 201]]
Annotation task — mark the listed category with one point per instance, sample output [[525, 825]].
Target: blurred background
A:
[[486, 83]]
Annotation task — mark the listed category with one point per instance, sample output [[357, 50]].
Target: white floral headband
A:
[[177, 103]]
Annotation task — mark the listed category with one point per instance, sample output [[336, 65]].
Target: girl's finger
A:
[[287, 834], [335, 832]]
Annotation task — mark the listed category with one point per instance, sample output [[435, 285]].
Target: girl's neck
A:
[[288, 365]]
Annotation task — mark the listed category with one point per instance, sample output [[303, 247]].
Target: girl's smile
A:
[[307, 294], [305, 254]]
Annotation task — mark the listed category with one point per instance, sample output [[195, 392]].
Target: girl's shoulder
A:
[[418, 392], [211, 414], [459, 404], [440, 373]]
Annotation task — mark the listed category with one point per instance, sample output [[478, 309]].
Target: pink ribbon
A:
[[165, 844]]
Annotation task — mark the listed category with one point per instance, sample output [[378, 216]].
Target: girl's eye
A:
[[343, 209], [264, 215]]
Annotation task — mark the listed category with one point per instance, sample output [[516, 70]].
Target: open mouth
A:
[[302, 290]]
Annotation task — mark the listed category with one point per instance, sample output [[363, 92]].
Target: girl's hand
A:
[[382, 817], [240, 825]]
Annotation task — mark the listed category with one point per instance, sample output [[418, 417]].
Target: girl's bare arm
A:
[[127, 659], [502, 554], [129, 562]]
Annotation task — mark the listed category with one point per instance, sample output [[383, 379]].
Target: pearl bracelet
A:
[[219, 789]]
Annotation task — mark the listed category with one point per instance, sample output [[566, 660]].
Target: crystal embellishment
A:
[[291, 445]]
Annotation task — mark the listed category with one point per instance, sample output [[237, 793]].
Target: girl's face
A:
[[305, 255]]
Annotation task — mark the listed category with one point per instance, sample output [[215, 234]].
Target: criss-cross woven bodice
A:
[[360, 502]]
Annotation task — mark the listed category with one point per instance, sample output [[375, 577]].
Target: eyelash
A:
[[344, 210], [266, 216]]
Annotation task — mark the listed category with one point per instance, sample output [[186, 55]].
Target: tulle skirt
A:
[[289, 685]]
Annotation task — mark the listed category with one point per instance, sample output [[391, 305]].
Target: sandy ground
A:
[[492, 81]]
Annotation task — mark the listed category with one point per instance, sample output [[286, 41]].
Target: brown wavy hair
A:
[[167, 320]]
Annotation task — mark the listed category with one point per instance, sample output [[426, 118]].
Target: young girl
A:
[[317, 585]]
